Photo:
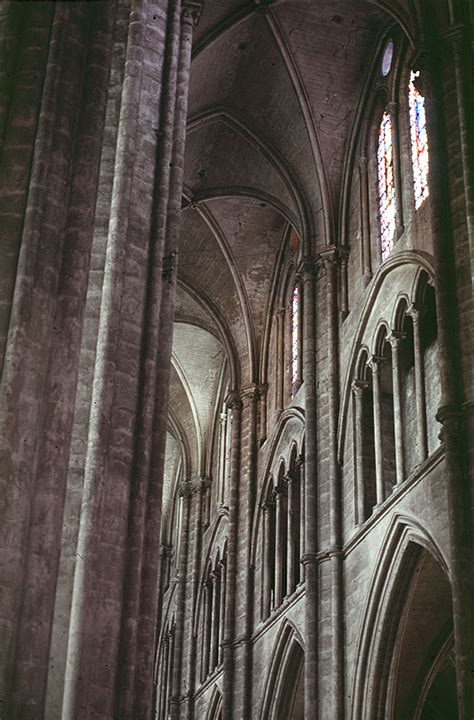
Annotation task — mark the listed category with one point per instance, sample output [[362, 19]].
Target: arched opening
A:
[[284, 691], [291, 696], [405, 668], [364, 440]]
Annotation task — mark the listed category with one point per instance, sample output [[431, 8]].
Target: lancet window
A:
[[386, 185], [213, 615], [419, 140], [282, 536], [295, 340]]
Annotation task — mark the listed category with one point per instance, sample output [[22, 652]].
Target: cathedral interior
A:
[[235, 347]]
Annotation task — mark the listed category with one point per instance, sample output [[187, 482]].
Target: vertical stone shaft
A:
[[143, 459], [207, 629], [335, 510], [393, 110], [82, 636], [375, 364], [222, 571], [46, 515], [395, 340], [451, 414], [177, 666], [148, 591], [194, 579], [279, 569], [267, 560], [244, 624], [358, 390], [215, 619], [280, 379], [419, 386], [291, 532], [229, 631], [310, 493], [365, 219]]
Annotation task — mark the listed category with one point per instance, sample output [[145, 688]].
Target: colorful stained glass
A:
[[387, 206], [419, 141], [295, 332]]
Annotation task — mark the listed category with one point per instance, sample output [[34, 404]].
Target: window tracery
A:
[[386, 185], [419, 141], [295, 339]]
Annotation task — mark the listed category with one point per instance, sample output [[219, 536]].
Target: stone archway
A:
[[284, 691], [405, 667]]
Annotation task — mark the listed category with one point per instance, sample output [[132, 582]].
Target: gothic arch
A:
[[215, 705], [284, 676], [379, 654], [406, 257]]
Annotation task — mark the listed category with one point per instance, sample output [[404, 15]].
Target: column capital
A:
[[395, 337], [358, 387], [191, 12], [249, 394], [392, 106], [414, 312], [375, 363], [233, 400], [300, 461], [306, 269]]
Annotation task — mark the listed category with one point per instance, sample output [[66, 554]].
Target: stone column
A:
[[393, 110], [231, 581], [419, 386], [125, 456], [194, 575], [280, 359], [267, 509], [215, 618], [290, 535], [455, 412], [245, 571], [182, 576], [309, 559], [365, 219], [375, 364], [359, 388], [222, 575], [207, 629], [300, 465], [395, 339], [45, 326], [279, 521], [331, 259]]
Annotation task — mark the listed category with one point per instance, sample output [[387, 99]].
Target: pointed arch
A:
[[389, 601], [215, 705], [285, 674]]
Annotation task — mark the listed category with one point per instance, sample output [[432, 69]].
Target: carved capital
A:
[[249, 394], [395, 338], [414, 312], [358, 387], [233, 400], [375, 363], [191, 12], [306, 269]]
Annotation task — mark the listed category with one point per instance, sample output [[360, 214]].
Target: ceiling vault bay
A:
[[272, 115]]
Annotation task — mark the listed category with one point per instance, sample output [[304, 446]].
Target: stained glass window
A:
[[295, 332], [387, 208], [419, 141], [387, 58]]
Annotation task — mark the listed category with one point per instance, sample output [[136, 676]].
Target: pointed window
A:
[[295, 340], [419, 141], [386, 183]]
